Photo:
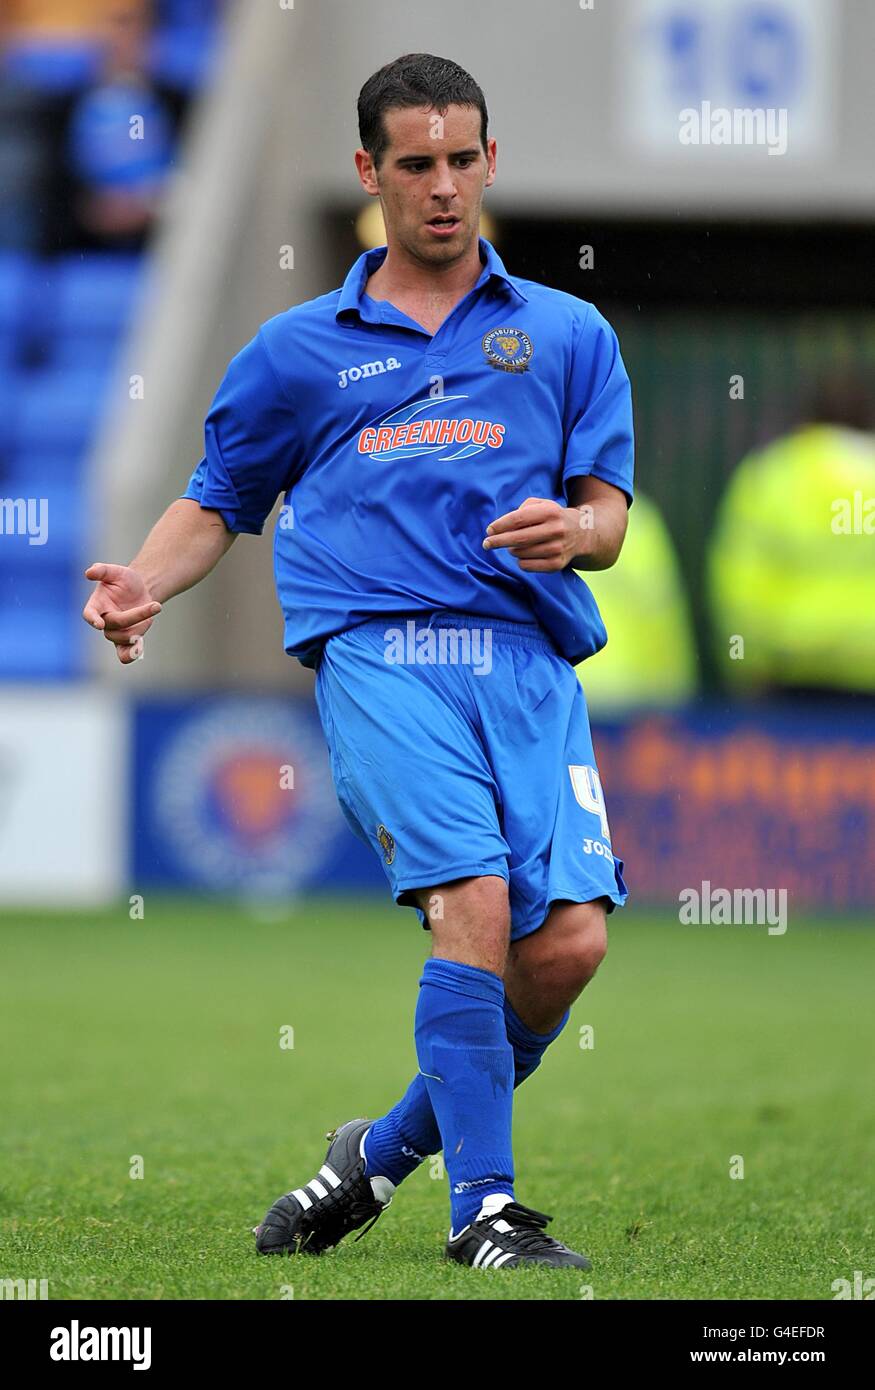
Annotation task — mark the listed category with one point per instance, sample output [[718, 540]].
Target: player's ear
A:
[[491, 153], [367, 173]]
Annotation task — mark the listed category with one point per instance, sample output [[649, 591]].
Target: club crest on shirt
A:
[[387, 843], [508, 349]]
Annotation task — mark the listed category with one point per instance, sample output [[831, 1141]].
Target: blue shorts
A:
[[461, 746]]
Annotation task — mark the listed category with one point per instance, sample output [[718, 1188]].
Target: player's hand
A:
[[120, 607], [542, 535]]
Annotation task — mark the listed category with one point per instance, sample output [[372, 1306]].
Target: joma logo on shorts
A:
[[366, 369]]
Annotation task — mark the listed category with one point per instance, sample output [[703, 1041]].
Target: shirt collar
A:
[[368, 261]]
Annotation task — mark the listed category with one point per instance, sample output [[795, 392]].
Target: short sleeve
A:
[[252, 448], [599, 437]]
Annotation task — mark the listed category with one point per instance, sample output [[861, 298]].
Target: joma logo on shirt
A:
[[366, 369]]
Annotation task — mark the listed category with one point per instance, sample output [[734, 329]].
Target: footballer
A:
[[454, 442]]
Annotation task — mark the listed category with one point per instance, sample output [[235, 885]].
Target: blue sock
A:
[[467, 1063], [528, 1047], [396, 1144]]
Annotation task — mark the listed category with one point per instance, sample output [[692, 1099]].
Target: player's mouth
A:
[[444, 224]]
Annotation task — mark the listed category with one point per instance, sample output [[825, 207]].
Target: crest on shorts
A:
[[387, 843], [508, 349]]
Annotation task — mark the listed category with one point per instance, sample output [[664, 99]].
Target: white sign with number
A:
[[722, 58]]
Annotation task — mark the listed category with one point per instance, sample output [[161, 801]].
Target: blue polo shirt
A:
[[395, 449]]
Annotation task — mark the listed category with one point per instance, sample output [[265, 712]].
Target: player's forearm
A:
[[603, 516], [181, 549], [602, 531]]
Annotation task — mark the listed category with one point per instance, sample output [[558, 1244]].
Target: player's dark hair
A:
[[416, 79]]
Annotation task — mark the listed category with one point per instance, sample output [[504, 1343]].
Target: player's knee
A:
[[470, 921], [584, 944]]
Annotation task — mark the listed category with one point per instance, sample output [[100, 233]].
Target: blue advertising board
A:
[[779, 796], [233, 795]]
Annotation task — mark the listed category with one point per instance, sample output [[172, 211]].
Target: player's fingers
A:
[[92, 615], [100, 572], [542, 566], [549, 550], [128, 655], [537, 509], [129, 617], [523, 536], [128, 635], [131, 630]]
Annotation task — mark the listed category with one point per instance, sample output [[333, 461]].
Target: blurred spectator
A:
[[25, 165], [25, 138], [119, 137], [88, 132], [650, 659], [792, 559]]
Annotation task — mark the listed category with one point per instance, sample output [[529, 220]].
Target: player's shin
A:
[[467, 1063], [397, 1143]]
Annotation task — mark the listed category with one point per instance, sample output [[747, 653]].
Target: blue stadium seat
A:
[[49, 64], [8, 352], [75, 309], [40, 469], [8, 403], [95, 292], [58, 410], [183, 56], [78, 308], [174, 13], [39, 630], [97, 352], [16, 280]]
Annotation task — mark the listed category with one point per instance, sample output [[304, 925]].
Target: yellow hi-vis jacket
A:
[[792, 564], [650, 657]]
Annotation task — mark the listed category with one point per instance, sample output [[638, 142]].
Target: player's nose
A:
[[444, 186]]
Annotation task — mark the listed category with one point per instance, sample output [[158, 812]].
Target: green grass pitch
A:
[[160, 1038]]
